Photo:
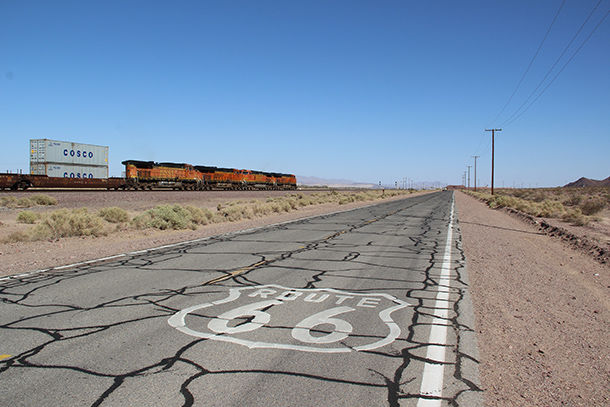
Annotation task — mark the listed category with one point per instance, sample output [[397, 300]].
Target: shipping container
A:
[[69, 171], [64, 152]]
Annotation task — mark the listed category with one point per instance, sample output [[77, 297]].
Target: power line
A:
[[517, 112], [561, 70], [531, 62]]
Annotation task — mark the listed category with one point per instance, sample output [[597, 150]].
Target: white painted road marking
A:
[[298, 302], [432, 380]]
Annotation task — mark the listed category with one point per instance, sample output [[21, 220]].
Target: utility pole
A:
[[469, 175], [492, 157], [475, 171]]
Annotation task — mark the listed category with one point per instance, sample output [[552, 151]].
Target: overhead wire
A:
[[518, 112], [529, 66], [478, 150], [561, 70]]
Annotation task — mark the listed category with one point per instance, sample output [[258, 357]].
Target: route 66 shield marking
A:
[[310, 320]]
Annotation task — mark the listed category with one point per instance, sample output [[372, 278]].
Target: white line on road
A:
[[432, 381]]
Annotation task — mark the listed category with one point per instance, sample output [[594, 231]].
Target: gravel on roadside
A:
[[542, 312]]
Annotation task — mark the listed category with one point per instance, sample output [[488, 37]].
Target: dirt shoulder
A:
[[23, 257], [542, 311]]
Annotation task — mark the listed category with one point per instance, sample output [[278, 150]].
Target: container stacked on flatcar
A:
[[64, 159]]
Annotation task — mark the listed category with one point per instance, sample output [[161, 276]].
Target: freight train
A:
[[141, 175]]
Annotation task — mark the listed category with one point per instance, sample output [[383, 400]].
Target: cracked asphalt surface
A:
[[335, 310]]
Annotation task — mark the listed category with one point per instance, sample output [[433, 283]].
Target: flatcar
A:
[[24, 181]]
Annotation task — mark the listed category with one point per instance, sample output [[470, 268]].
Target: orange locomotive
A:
[[149, 174]]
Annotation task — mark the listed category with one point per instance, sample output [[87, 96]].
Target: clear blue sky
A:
[[362, 90]]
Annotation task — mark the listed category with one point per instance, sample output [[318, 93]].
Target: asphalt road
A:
[[368, 307]]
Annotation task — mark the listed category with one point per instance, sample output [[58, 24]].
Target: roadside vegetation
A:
[[578, 206], [82, 222], [27, 202]]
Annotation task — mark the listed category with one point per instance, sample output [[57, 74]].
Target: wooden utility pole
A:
[[492, 157], [475, 171], [469, 166]]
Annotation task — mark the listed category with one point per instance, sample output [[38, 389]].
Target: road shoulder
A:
[[542, 312]]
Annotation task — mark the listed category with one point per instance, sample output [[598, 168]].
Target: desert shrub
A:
[[538, 196], [519, 193], [27, 217], [285, 205], [114, 215], [58, 224], [18, 236], [64, 223], [304, 201], [293, 203], [176, 217], [551, 209], [574, 200], [576, 217], [261, 209], [24, 203], [500, 201], [592, 206], [27, 202], [248, 212], [43, 200], [232, 213], [202, 216], [165, 217], [8, 201]]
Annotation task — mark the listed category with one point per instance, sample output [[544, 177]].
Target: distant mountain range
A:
[[586, 182], [332, 183]]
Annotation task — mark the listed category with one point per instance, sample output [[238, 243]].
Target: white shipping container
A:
[[68, 171], [64, 152]]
